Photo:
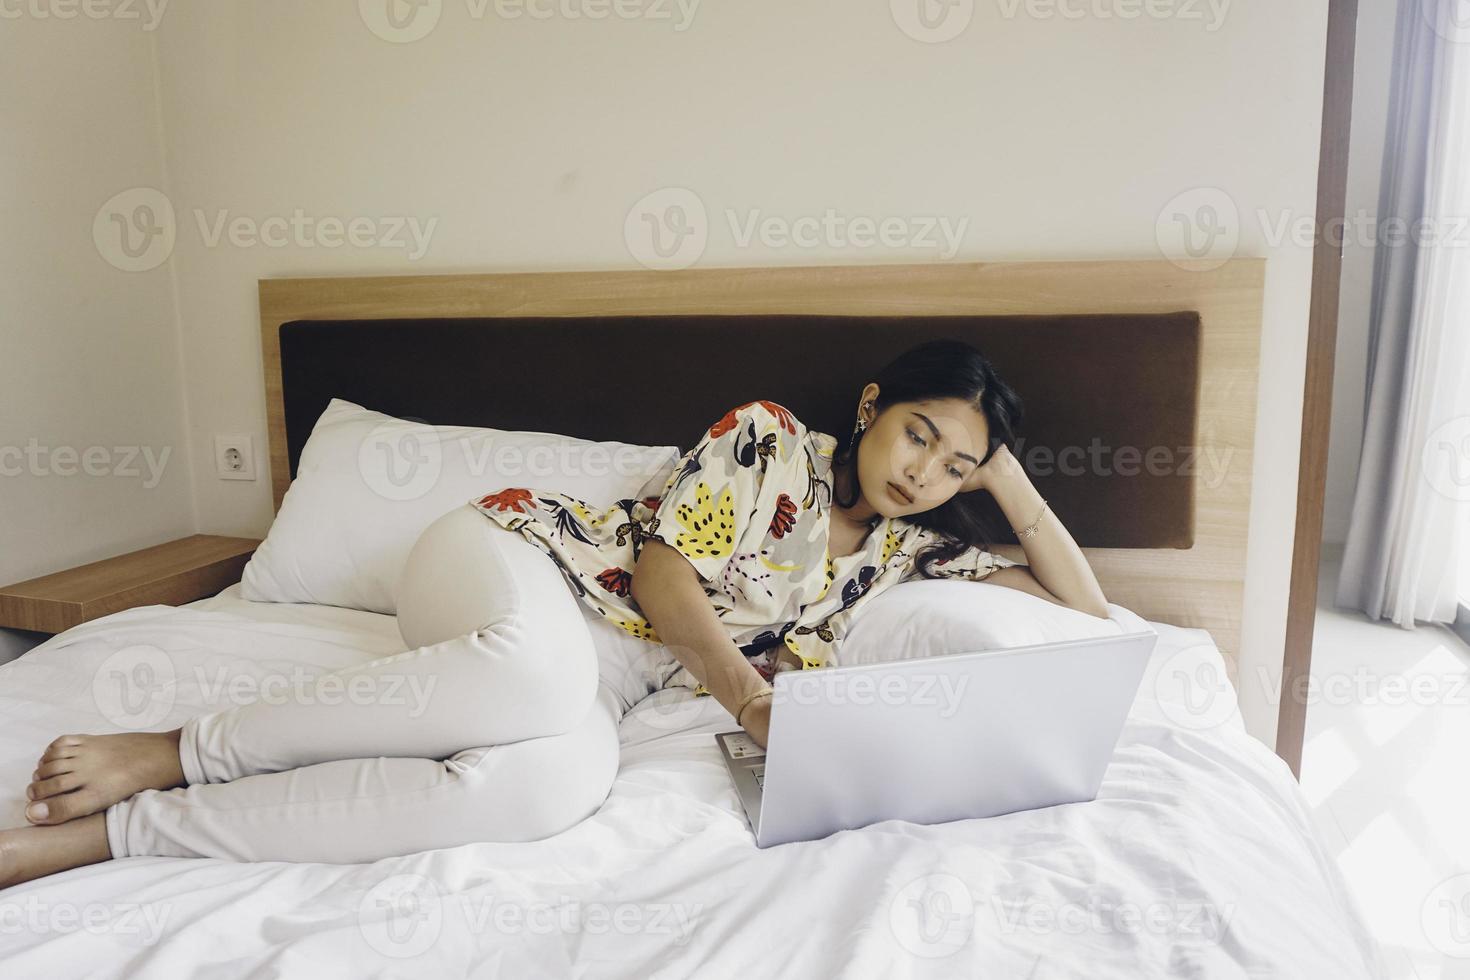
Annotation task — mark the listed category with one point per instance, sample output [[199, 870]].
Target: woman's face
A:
[[914, 456]]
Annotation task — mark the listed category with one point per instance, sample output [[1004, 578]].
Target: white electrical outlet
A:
[[234, 457]]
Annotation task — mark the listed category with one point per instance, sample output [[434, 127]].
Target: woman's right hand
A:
[[756, 719]]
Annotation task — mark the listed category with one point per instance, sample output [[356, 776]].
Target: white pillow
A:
[[368, 484], [933, 617]]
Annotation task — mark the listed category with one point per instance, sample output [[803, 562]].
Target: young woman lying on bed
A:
[[763, 544]]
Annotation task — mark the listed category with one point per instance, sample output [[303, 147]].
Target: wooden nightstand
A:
[[171, 574]]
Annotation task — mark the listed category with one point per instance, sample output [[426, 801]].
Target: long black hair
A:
[[934, 370]]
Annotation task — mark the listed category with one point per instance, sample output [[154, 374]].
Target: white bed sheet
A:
[[1198, 859]]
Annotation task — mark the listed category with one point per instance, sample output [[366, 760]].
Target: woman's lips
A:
[[896, 492]]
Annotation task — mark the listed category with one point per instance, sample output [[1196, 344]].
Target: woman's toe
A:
[[60, 809], [61, 747], [52, 787]]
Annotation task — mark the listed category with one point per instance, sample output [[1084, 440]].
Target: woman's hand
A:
[[1054, 562], [1002, 463], [756, 720]]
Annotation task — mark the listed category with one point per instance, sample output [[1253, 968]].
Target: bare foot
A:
[[82, 774], [27, 853]]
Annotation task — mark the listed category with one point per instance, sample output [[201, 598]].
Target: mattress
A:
[[1197, 859]]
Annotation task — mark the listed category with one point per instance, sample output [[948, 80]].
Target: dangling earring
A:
[[862, 423], [847, 454]]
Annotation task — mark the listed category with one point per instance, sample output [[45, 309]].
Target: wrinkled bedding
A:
[[1198, 859]]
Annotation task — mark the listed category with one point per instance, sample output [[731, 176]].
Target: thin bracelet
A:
[[1029, 531], [740, 708]]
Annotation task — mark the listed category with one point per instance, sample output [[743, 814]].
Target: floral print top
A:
[[749, 508]]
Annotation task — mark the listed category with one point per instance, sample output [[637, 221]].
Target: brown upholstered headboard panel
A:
[[1098, 350], [1111, 400]]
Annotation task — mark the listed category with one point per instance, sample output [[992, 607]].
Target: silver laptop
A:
[[937, 739]]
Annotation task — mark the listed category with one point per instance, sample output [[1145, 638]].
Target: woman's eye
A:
[[957, 474]]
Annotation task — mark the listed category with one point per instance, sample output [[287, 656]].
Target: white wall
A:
[[89, 354], [1371, 79], [528, 140]]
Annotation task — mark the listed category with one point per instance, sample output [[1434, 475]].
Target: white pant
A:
[[516, 741]]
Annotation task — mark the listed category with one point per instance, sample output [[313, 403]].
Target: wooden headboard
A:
[[1107, 356]]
